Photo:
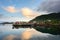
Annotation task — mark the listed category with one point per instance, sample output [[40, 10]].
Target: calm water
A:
[[7, 33]]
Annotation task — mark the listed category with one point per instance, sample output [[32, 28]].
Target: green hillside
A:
[[51, 16], [51, 23]]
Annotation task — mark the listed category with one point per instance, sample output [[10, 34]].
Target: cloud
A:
[[10, 9], [50, 6], [29, 13]]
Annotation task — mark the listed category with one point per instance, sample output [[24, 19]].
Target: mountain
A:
[[51, 16]]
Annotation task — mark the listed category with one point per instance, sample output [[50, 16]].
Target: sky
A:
[[18, 10], [26, 10]]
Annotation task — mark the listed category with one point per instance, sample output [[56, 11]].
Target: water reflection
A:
[[27, 34], [7, 33], [9, 37]]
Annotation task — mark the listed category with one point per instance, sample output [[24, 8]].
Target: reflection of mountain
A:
[[52, 16]]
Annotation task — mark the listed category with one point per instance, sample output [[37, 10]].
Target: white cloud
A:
[[10, 9], [26, 12], [29, 13]]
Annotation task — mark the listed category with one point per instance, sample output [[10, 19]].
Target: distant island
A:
[[6, 23]]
